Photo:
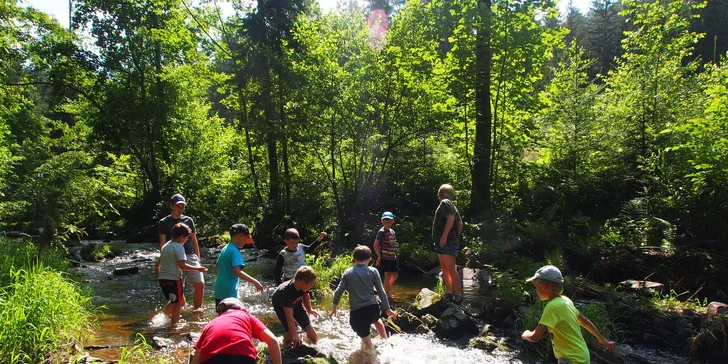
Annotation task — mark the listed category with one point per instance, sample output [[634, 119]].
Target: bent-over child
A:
[[562, 320], [292, 305], [228, 338], [172, 261], [293, 256], [360, 281]]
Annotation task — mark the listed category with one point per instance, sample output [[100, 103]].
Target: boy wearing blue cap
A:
[[562, 319], [386, 249]]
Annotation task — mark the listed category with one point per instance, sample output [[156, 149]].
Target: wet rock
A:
[[429, 302], [716, 308], [160, 343], [406, 321], [645, 287], [487, 343], [87, 358], [454, 323], [306, 354], [126, 271], [651, 339]]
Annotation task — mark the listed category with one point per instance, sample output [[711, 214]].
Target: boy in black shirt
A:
[[292, 304]]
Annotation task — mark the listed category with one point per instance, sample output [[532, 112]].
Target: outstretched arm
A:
[[316, 242], [534, 335], [589, 326], [244, 276]]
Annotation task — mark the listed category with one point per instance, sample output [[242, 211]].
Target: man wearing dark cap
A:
[[227, 339], [177, 206], [230, 265]]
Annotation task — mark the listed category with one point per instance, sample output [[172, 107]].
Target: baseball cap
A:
[[229, 303], [242, 229], [177, 199], [548, 273], [387, 215]]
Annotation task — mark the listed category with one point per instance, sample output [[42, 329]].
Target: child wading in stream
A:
[[562, 319], [172, 261], [360, 281]]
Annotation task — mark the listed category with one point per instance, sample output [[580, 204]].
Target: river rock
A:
[[454, 323], [429, 302], [648, 287], [406, 321], [716, 308], [126, 271], [487, 343], [160, 343]]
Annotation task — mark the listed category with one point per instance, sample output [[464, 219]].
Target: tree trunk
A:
[[480, 202]]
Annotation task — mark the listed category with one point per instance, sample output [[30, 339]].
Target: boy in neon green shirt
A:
[[562, 319]]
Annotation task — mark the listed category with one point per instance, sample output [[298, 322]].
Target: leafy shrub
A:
[[327, 269], [509, 290]]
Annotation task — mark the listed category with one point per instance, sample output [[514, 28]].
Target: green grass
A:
[[142, 353], [43, 313], [675, 302]]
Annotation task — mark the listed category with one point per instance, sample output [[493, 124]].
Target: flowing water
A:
[[131, 305]]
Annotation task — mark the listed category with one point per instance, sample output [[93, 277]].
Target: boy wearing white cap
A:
[[562, 319], [227, 338]]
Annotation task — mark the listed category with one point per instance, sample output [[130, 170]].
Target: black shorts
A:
[[229, 359], [361, 319], [389, 265], [299, 314], [172, 289]]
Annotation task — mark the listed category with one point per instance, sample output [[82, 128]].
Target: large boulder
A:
[[429, 302], [406, 321], [454, 323]]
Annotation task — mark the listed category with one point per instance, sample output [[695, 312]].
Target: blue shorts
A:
[[448, 249]]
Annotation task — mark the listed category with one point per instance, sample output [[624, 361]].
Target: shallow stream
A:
[[133, 305]]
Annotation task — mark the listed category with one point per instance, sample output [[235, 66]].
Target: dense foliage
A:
[[585, 132]]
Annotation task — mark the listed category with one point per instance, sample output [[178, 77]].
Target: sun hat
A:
[[548, 273], [387, 216]]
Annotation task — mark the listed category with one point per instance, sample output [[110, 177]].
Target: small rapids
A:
[[131, 305]]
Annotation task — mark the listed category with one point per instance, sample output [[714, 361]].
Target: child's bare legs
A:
[[381, 330], [312, 335], [366, 342], [199, 293], [389, 279], [176, 308], [445, 274], [450, 274]]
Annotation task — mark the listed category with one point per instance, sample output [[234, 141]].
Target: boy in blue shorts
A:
[[360, 280], [562, 320], [230, 265], [172, 261], [385, 247], [292, 305]]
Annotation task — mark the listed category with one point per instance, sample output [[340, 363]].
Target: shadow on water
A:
[[133, 305]]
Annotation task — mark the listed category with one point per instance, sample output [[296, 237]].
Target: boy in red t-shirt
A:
[[228, 338]]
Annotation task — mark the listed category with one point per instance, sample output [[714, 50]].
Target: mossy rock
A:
[[97, 252], [711, 343]]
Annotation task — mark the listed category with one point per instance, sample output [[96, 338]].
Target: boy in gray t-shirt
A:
[[360, 280], [172, 260]]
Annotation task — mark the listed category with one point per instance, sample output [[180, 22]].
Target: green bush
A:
[[22, 253], [42, 315], [327, 269]]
